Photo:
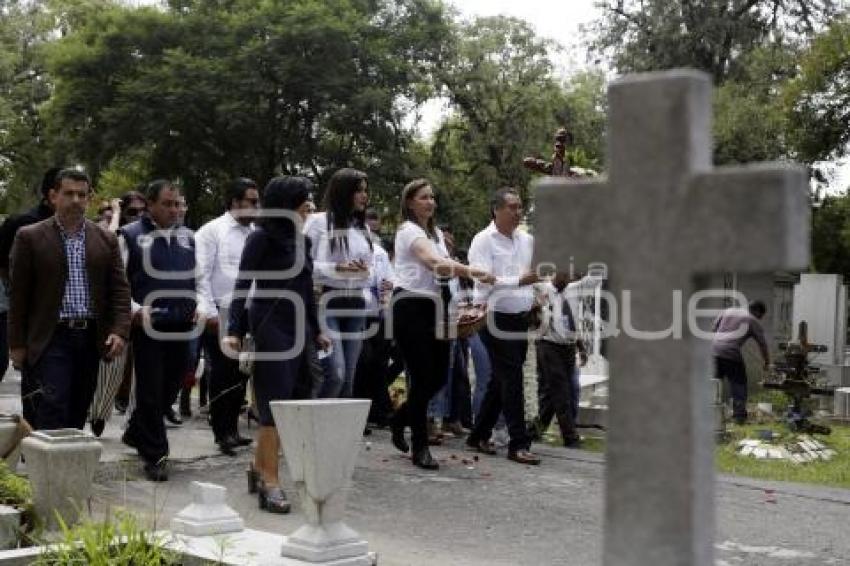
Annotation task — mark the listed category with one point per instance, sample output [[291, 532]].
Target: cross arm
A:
[[567, 223], [752, 218]]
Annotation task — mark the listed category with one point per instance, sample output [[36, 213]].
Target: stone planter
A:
[[320, 440], [12, 429], [61, 465]]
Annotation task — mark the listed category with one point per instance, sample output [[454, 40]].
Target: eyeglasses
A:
[[130, 212]]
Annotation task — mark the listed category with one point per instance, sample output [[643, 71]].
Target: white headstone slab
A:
[[821, 300], [662, 220]]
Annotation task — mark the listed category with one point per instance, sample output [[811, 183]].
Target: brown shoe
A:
[[524, 457], [483, 446]]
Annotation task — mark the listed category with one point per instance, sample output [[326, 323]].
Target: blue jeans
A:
[[483, 371], [346, 352]]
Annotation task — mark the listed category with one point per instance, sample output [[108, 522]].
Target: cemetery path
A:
[[486, 513]]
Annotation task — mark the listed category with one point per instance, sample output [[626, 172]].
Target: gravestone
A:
[[661, 222], [208, 514], [821, 300]]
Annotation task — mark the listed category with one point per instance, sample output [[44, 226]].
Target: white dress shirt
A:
[[557, 325], [218, 250], [508, 259], [411, 273], [325, 260]]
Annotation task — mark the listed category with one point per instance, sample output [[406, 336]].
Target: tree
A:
[[715, 36], [23, 89], [499, 79], [246, 88], [818, 99], [831, 235]]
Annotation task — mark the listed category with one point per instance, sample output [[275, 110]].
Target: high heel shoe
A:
[[273, 500], [423, 459], [398, 438], [253, 478]]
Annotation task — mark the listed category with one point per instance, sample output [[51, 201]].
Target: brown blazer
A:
[[38, 271]]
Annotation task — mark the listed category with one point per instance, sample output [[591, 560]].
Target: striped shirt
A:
[[76, 302]]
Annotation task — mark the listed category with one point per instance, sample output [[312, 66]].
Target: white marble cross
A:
[[662, 221]]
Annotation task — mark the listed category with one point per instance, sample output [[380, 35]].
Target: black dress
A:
[[281, 315]]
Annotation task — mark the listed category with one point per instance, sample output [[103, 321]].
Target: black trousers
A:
[[66, 374], [426, 360], [4, 344], [461, 394], [505, 392], [736, 372], [160, 366], [555, 366], [370, 378], [226, 388]]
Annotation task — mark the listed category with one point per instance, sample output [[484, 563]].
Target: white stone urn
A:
[[320, 440], [61, 465]]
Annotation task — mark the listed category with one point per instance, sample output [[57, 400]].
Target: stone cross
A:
[[662, 221]]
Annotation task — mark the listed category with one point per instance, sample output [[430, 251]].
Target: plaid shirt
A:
[[76, 301]]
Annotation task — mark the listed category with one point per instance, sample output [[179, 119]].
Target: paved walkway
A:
[[489, 512]]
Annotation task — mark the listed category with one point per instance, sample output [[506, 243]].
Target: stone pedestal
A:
[[320, 440], [10, 527], [61, 465], [12, 429], [208, 514]]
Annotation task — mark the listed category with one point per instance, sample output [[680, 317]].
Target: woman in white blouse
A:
[[421, 256], [342, 257]]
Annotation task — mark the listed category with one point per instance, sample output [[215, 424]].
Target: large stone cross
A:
[[662, 221]]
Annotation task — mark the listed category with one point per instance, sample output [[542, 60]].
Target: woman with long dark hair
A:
[[273, 249], [421, 257], [342, 252]]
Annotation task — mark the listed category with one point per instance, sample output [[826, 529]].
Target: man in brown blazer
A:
[[69, 303]]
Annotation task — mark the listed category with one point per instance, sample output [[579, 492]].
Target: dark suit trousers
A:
[[226, 388], [555, 366], [160, 366], [66, 373], [505, 391], [426, 361]]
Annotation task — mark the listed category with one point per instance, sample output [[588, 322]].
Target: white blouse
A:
[[411, 273]]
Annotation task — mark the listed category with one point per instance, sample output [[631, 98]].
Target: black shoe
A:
[[398, 438], [121, 405], [242, 440], [227, 446], [128, 439], [573, 441], [423, 459], [156, 472], [273, 500], [97, 427], [172, 417]]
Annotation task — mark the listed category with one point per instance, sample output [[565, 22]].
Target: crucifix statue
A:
[[662, 221]]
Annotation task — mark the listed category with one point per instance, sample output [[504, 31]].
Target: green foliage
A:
[[113, 542], [819, 98], [500, 81], [214, 90], [831, 235], [14, 490]]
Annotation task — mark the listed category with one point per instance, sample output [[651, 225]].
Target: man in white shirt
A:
[[506, 252], [557, 344], [219, 245]]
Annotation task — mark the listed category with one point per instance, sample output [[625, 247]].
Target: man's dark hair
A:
[[73, 174], [155, 188], [499, 198], [48, 180], [237, 188], [757, 309]]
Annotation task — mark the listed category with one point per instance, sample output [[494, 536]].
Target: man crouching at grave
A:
[[731, 330], [506, 252], [160, 257], [69, 304]]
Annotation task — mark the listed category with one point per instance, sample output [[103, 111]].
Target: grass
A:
[[834, 473]]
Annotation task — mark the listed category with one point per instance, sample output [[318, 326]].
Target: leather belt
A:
[[76, 323]]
